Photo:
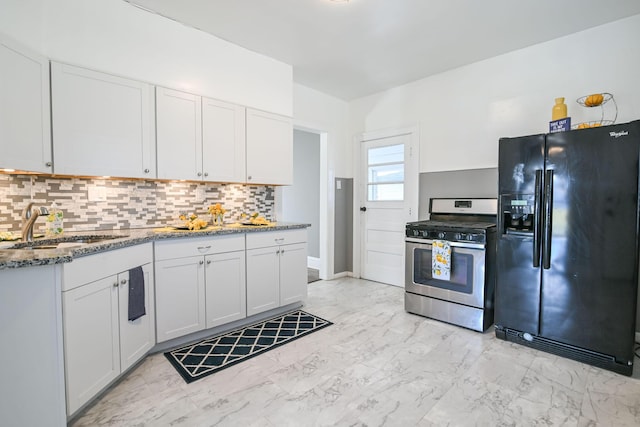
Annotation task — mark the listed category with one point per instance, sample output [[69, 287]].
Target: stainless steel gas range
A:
[[450, 262]]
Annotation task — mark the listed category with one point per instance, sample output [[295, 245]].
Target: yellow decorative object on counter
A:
[[559, 110], [255, 219], [217, 213], [54, 224], [192, 222]]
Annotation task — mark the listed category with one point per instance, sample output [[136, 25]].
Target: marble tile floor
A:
[[376, 366]]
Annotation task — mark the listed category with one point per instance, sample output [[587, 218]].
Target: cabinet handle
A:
[[249, 178], [278, 252], [200, 248], [123, 282], [115, 285], [281, 251], [201, 262], [208, 262], [281, 239], [147, 171], [206, 174], [48, 164], [199, 173]]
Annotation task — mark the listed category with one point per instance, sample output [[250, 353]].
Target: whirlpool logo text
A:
[[618, 134]]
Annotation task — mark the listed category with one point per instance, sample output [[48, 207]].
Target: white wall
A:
[[318, 111], [115, 37], [462, 113]]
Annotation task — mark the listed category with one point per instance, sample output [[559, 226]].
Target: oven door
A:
[[466, 285]]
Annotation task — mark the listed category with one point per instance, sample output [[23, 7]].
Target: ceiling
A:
[[360, 47]]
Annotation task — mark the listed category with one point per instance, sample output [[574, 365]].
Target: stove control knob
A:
[[416, 233], [441, 235], [460, 236], [470, 237], [425, 233]]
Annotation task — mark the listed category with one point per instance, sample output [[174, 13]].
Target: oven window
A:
[[461, 271]]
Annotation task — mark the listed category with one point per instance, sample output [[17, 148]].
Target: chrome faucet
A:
[[29, 217]]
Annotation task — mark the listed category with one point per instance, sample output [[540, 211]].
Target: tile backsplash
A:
[[128, 203]]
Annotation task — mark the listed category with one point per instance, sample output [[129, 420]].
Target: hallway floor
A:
[[376, 366]]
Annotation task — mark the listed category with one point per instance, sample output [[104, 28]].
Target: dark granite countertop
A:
[[64, 249]]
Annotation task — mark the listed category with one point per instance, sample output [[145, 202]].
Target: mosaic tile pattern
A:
[[129, 203]]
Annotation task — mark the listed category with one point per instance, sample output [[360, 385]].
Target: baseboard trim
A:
[[313, 262]]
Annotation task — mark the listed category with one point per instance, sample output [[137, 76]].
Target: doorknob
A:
[[363, 208]]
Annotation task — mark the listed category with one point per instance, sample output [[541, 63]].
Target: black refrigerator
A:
[[567, 250]]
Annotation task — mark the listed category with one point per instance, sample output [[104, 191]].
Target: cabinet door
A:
[[137, 337], [263, 280], [180, 297], [179, 134], [269, 148], [102, 124], [91, 344], [225, 288], [223, 141], [25, 132], [293, 273]]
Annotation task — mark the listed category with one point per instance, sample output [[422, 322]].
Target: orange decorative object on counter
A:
[[593, 100]]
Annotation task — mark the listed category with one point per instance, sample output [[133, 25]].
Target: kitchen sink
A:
[[64, 242]]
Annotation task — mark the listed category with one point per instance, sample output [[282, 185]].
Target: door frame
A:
[[327, 207], [411, 186]]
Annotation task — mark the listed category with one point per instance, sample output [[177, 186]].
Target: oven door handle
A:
[[452, 244]]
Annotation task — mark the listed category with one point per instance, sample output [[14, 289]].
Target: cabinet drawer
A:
[[186, 247], [275, 238], [94, 267]]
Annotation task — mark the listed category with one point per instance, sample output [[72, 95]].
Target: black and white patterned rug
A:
[[205, 357]]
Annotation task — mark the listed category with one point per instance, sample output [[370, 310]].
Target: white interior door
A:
[[388, 200]]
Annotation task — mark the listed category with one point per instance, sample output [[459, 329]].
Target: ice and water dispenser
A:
[[518, 212]]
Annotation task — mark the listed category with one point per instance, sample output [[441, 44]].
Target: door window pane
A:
[[385, 173], [388, 154]]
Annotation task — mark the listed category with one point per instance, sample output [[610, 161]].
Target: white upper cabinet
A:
[[223, 141], [199, 138], [102, 124], [269, 148], [25, 125], [179, 134]]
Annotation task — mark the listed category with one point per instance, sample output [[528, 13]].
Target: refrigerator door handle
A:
[[537, 212], [548, 198]]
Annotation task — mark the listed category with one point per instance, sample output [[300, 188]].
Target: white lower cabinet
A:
[[200, 283], [99, 341], [276, 269], [31, 362], [180, 302], [225, 288]]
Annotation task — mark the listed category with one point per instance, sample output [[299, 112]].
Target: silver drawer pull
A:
[[201, 262], [203, 248], [280, 239], [208, 262], [115, 285], [123, 282]]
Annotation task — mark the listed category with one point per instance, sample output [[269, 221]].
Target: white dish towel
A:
[[441, 260]]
